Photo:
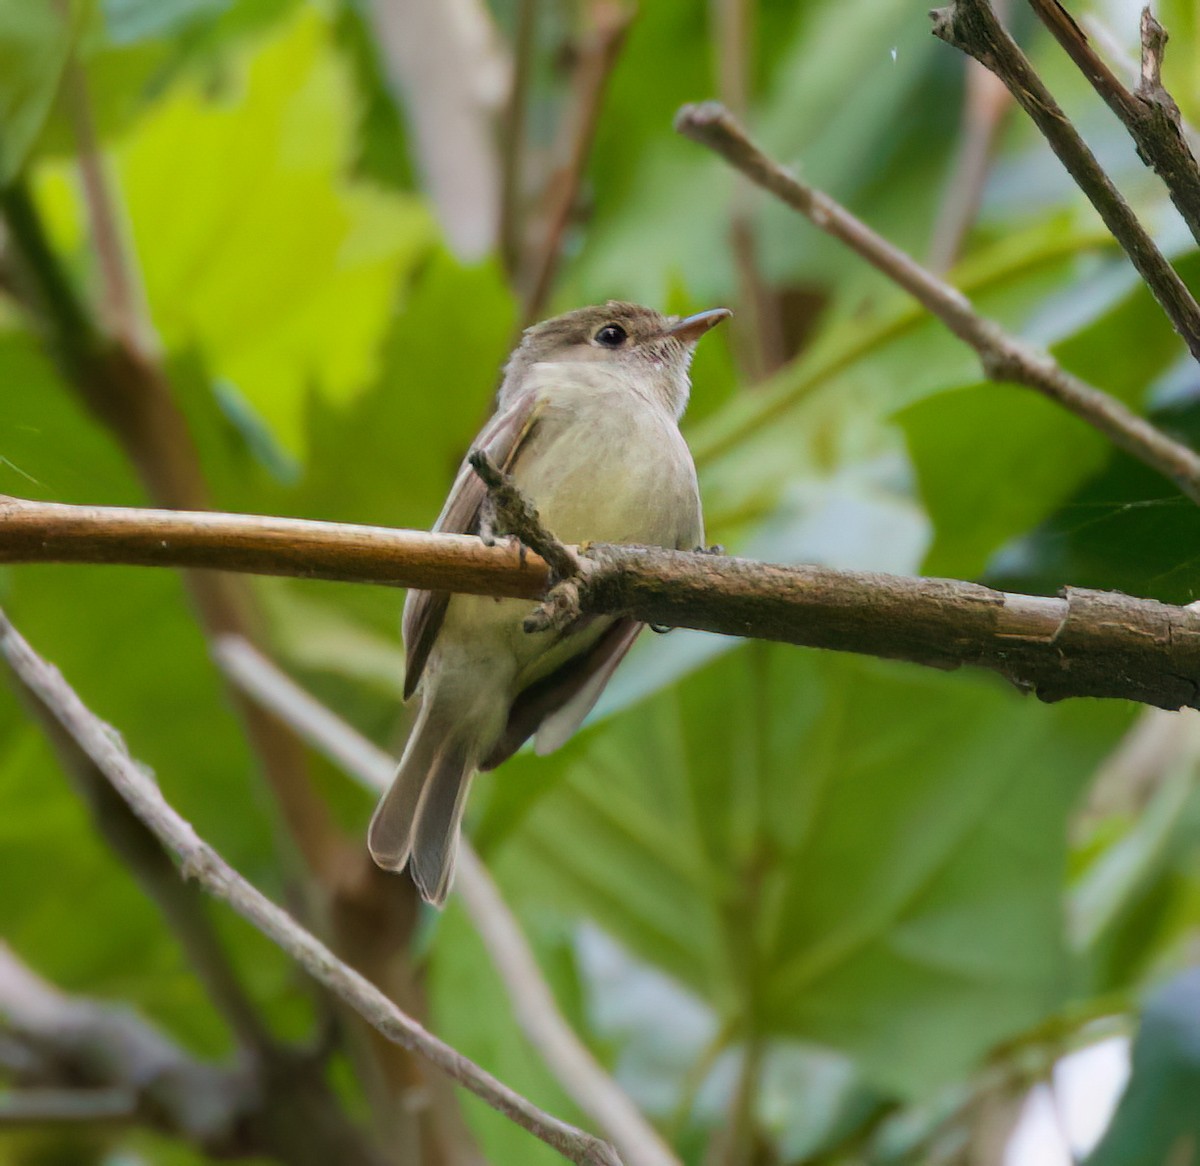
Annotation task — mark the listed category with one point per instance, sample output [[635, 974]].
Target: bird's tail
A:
[[416, 822]]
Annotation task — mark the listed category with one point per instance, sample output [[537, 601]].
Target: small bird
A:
[[587, 425]]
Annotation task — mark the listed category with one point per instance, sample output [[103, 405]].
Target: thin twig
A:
[[200, 861], [123, 302], [97, 1047], [598, 57], [512, 160], [972, 27], [1149, 113], [536, 1010], [985, 103], [758, 336], [1081, 643], [512, 513], [59, 1107], [1003, 357]]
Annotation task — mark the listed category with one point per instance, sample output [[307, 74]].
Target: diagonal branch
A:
[[580, 1074], [1149, 113], [1080, 643], [201, 862], [972, 27], [1003, 357], [121, 381]]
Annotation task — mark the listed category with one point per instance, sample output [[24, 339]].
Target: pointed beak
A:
[[691, 328]]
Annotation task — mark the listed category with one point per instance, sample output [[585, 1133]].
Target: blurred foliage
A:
[[861, 877]]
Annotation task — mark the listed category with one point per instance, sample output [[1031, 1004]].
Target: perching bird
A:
[[587, 424]]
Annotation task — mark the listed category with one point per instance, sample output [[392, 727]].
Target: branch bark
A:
[[199, 861], [1003, 357], [1080, 643], [566, 1056], [971, 26], [1149, 113]]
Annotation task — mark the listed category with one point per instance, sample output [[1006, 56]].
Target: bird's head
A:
[[653, 351]]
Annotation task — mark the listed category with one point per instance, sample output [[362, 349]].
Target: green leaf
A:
[[991, 462], [859, 854], [270, 262], [1157, 1122]]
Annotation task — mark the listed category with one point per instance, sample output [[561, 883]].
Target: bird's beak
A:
[[691, 328]]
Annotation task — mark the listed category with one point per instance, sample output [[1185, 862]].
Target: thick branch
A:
[[1082, 643], [1003, 357], [567, 1057], [972, 27], [200, 861], [1149, 113]]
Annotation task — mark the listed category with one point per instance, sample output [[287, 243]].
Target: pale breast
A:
[[605, 465]]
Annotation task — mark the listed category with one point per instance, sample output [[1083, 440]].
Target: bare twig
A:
[[513, 514], [59, 1107], [123, 302], [592, 1089], [512, 162], [972, 27], [200, 861], [1149, 113], [1003, 357], [1081, 643], [598, 57], [985, 103], [758, 333], [97, 1048]]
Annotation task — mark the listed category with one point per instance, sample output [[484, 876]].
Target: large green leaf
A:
[[279, 269], [839, 850], [993, 461]]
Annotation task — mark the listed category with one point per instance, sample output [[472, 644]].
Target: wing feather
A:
[[557, 704], [501, 439]]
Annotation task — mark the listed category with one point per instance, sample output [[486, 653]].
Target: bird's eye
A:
[[612, 336]]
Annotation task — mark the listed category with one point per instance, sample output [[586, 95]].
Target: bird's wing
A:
[[555, 706], [502, 440]]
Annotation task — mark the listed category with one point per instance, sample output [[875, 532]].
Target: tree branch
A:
[[59, 1107], [1003, 357], [84, 1046], [972, 27], [567, 1057], [1149, 113], [200, 861], [1081, 643], [370, 915]]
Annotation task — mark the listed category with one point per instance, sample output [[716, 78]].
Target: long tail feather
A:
[[416, 822], [435, 832], [389, 837]]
